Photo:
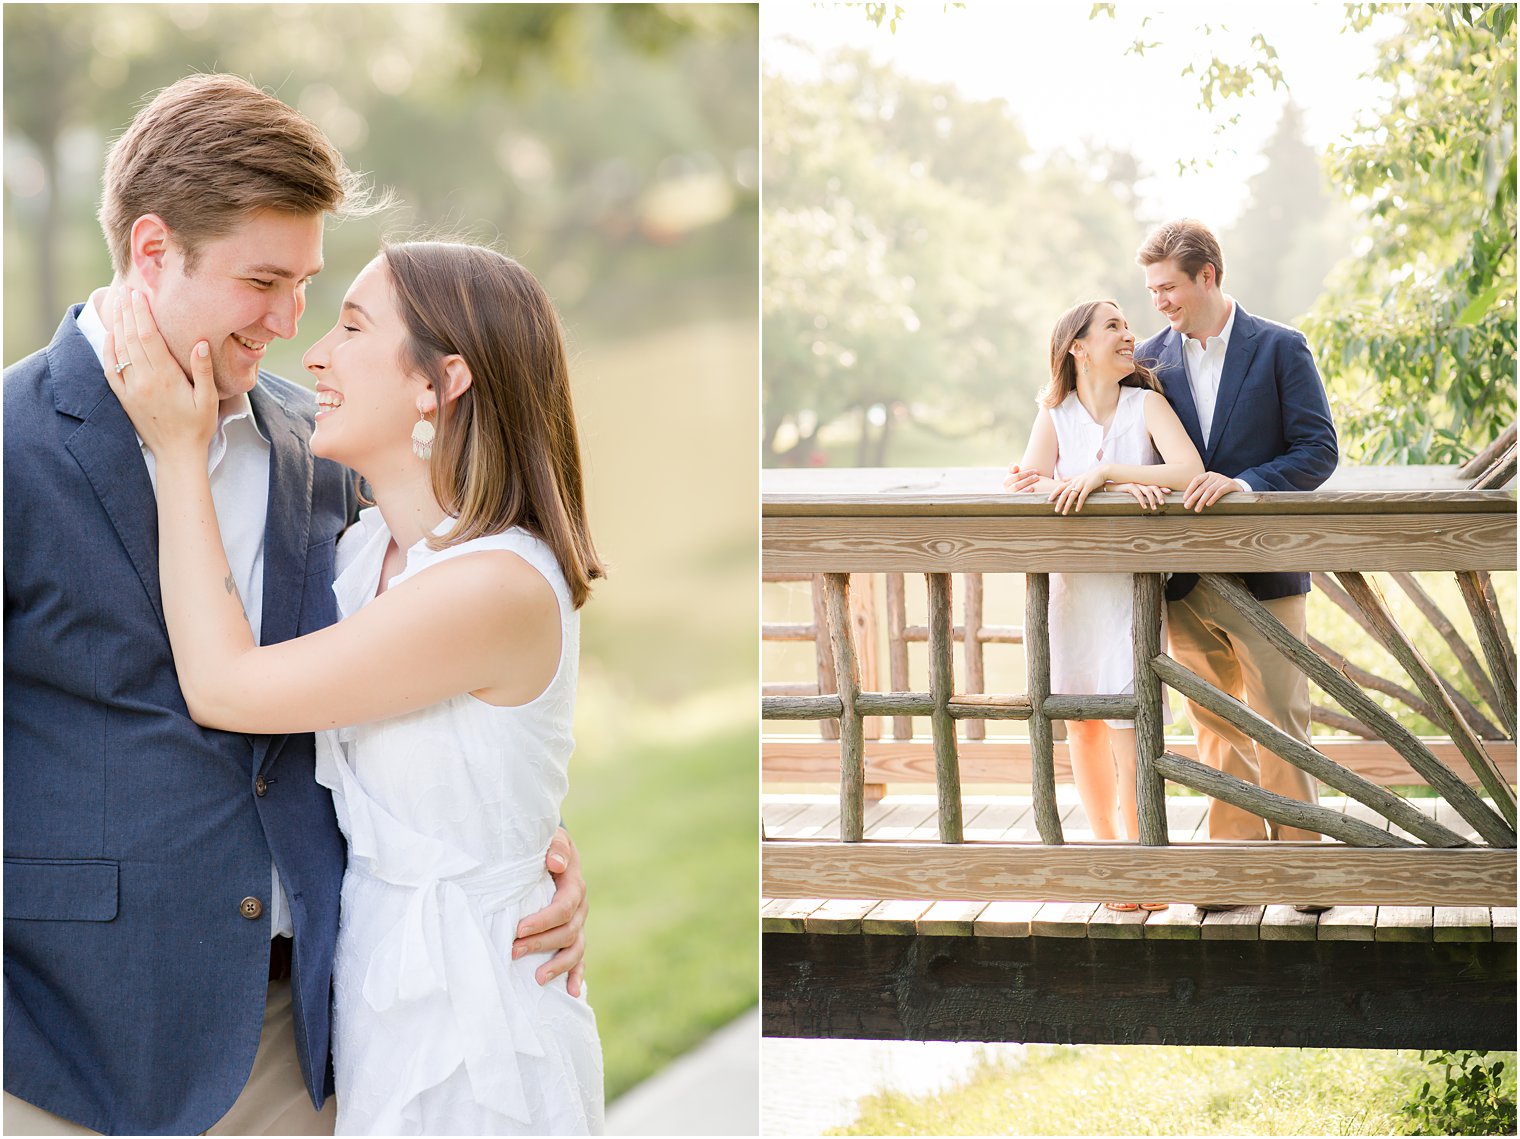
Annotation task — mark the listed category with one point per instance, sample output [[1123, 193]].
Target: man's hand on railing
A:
[[1207, 489], [1021, 480]]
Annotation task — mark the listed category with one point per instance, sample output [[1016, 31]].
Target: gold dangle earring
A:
[[422, 436]]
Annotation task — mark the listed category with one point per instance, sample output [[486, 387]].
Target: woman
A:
[[1102, 422], [445, 694]]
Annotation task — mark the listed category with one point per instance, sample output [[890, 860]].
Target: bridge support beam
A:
[[1151, 991]]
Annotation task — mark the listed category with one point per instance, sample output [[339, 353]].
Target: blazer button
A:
[[251, 908], [260, 786]]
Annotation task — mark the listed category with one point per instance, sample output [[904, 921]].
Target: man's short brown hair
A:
[[1187, 242], [211, 150]]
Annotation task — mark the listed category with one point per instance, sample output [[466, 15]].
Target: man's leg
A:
[[1198, 642], [1278, 692], [274, 1101]]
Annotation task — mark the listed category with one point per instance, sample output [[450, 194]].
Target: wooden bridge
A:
[[979, 917]]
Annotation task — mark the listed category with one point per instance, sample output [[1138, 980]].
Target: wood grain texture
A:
[[1459, 647], [1285, 923], [852, 754], [1041, 740], [1093, 543], [1145, 640], [1269, 805], [947, 775], [1492, 638], [1223, 873], [837, 915], [959, 501], [1239, 924], [1348, 923], [1463, 923], [1181, 921], [1277, 741], [1371, 602], [1404, 923], [894, 917], [1004, 760], [823, 653], [950, 918], [976, 664], [897, 650], [1150, 991], [1006, 919], [1482, 817]]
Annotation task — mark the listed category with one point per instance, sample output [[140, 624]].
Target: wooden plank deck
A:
[[1010, 818]]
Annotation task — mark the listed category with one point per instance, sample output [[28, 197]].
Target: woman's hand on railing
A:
[[1149, 497], [1071, 493], [1027, 480]]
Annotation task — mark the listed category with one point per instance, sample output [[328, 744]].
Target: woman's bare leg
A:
[[1121, 742], [1092, 769]]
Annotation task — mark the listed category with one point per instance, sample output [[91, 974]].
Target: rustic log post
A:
[[1477, 593], [1270, 805], [1326, 585], [863, 621], [1304, 757], [976, 671], [852, 770], [1485, 458], [1370, 600], [1374, 682], [1341, 722], [897, 649], [1150, 791], [1442, 625], [801, 707], [947, 769], [1497, 475], [824, 653], [1047, 819], [1479, 814]]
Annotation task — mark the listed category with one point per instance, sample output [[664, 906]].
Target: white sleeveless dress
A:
[[448, 812], [1092, 614]]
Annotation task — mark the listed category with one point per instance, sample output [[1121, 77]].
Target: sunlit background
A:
[[943, 180], [614, 151]]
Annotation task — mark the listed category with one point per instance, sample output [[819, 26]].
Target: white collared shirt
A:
[[1205, 365], [1205, 368], [238, 464]]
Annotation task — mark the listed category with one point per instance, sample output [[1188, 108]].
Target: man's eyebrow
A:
[[358, 308], [279, 271]]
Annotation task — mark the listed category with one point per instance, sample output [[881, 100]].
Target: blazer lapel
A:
[[285, 528], [1172, 373], [106, 448], [1237, 360]]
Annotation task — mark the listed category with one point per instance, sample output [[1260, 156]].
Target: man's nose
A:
[[283, 316]]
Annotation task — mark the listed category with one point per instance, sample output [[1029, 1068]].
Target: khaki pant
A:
[[273, 1102], [1208, 637]]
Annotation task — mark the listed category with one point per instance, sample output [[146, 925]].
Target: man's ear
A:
[[151, 242], [1207, 276]]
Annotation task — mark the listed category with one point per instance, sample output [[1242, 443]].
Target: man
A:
[[1252, 401], [171, 892]]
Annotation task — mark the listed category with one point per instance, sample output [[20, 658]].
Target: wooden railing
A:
[[1349, 535]]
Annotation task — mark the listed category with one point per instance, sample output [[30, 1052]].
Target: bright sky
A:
[[1071, 81]]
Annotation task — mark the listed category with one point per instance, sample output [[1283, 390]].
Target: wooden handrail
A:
[[912, 531]]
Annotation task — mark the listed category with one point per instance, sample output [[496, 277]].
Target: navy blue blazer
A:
[[134, 984], [1272, 424]]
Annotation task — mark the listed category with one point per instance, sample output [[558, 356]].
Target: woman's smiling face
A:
[[367, 403]]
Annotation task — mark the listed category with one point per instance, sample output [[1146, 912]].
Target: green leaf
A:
[[1478, 308]]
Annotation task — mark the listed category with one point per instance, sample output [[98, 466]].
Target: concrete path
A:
[[712, 1090]]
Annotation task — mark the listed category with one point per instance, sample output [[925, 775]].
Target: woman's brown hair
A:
[[506, 451], [1072, 325]]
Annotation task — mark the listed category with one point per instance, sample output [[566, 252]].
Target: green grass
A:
[[669, 847], [1144, 1090]]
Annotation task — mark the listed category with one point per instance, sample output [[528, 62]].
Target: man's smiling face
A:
[[246, 289]]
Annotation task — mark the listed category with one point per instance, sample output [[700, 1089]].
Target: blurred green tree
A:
[[1292, 231], [1417, 328], [915, 257]]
